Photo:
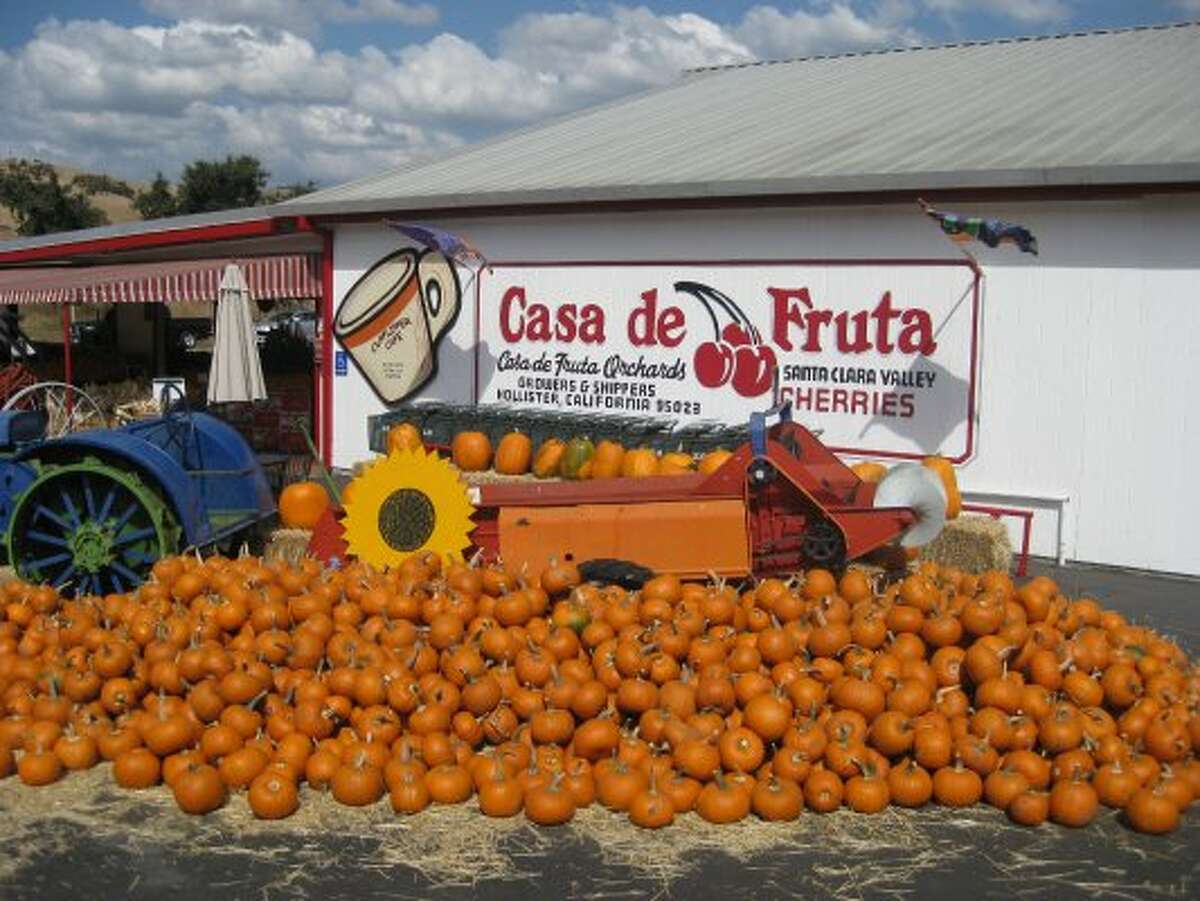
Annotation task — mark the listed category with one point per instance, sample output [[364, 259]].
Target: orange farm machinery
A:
[[781, 502]]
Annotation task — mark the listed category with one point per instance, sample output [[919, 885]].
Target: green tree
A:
[[40, 203], [157, 201], [280, 193], [102, 184], [210, 185]]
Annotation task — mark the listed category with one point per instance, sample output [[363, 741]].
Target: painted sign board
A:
[[880, 356]]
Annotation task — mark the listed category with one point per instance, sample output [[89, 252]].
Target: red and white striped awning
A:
[[296, 276]]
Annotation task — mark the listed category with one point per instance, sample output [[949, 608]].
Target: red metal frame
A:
[[475, 355], [326, 432], [256, 228], [964, 262], [316, 407], [1026, 528]]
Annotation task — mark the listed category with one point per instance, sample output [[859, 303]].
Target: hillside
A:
[[114, 206]]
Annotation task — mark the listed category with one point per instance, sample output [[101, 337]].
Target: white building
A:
[[1064, 382]]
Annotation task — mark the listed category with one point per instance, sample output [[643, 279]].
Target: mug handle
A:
[[447, 309]]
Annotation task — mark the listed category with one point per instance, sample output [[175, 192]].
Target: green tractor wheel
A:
[[89, 528]]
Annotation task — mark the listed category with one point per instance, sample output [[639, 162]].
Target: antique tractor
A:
[[91, 511], [781, 502]]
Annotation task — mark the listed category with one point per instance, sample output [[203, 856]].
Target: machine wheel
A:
[[67, 408], [824, 545], [89, 528], [606, 571]]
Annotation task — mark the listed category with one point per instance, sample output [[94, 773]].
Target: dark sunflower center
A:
[[406, 519]]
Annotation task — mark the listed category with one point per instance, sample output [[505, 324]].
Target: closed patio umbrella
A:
[[236, 372]]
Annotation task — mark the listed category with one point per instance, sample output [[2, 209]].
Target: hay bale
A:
[[491, 477], [288, 545], [973, 544]]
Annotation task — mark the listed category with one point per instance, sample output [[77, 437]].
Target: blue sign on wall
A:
[[340, 363]]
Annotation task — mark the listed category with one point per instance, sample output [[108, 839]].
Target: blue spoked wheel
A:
[[89, 528]]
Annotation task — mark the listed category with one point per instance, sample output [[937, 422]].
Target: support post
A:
[[66, 335], [325, 437], [316, 408], [68, 368]]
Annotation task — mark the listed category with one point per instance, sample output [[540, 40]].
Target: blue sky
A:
[[481, 20], [336, 89]]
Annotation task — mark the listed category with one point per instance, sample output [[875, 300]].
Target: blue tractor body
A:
[[93, 510]]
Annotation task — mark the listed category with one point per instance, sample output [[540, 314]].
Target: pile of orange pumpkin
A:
[[435, 683], [558, 458]]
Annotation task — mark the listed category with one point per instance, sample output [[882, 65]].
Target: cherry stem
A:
[[706, 293], [687, 288]]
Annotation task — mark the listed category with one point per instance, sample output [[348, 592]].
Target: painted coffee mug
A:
[[391, 320]]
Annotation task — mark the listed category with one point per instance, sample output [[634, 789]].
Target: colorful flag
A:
[[453, 246], [991, 232]]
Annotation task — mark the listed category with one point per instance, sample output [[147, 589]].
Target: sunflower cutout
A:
[[408, 502]]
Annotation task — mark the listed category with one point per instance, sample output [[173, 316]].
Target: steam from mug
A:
[[391, 319]]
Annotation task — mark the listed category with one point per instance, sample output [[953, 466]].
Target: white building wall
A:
[[1088, 372]]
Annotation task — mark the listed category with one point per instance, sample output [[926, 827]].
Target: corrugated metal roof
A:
[[1114, 107]]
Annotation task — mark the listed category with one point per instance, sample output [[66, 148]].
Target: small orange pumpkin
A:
[[639, 463], [713, 460], [404, 436], [514, 454], [272, 796], [471, 451], [549, 456], [675, 463], [301, 504], [869, 471], [945, 471], [1149, 810], [607, 460]]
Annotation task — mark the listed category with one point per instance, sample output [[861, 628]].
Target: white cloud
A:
[[449, 79], [587, 57], [298, 16], [98, 65], [838, 28], [1029, 11], [134, 100]]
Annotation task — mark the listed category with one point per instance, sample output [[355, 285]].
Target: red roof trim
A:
[[256, 228]]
